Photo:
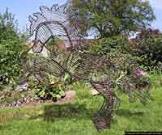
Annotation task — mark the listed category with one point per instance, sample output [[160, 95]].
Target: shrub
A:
[[147, 46], [11, 46], [107, 45]]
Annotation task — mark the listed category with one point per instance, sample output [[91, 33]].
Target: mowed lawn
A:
[[75, 118]]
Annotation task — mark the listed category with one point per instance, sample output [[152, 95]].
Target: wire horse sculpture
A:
[[53, 22]]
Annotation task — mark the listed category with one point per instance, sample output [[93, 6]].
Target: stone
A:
[[94, 92], [22, 87]]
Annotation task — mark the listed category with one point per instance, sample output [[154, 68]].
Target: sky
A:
[[157, 7], [23, 8]]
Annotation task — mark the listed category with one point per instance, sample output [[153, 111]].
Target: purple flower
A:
[[138, 72]]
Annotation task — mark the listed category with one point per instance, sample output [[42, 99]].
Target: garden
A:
[[56, 78]]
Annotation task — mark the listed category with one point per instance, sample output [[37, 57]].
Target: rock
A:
[[22, 87], [70, 95], [18, 103], [94, 92], [13, 104]]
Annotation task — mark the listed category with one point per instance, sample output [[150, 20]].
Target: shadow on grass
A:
[[77, 111]]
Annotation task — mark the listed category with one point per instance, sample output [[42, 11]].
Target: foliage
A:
[[8, 26], [107, 45], [11, 46], [109, 17], [121, 68], [148, 47], [144, 49], [53, 92], [45, 75], [10, 59]]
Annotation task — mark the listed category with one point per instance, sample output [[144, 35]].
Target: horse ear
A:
[[44, 9], [31, 19], [38, 15], [54, 7]]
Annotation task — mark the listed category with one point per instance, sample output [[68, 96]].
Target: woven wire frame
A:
[[53, 22]]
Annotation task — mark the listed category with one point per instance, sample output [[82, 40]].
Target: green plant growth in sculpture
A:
[[109, 74]]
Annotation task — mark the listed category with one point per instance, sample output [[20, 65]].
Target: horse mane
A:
[[50, 23]]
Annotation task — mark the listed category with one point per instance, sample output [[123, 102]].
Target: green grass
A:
[[75, 118]]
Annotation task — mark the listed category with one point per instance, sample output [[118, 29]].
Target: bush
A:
[[147, 46], [145, 49], [11, 46], [107, 45]]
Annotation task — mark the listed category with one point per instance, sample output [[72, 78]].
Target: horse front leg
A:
[[103, 118]]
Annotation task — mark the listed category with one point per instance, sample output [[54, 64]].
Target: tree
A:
[[8, 26], [110, 17], [10, 47]]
